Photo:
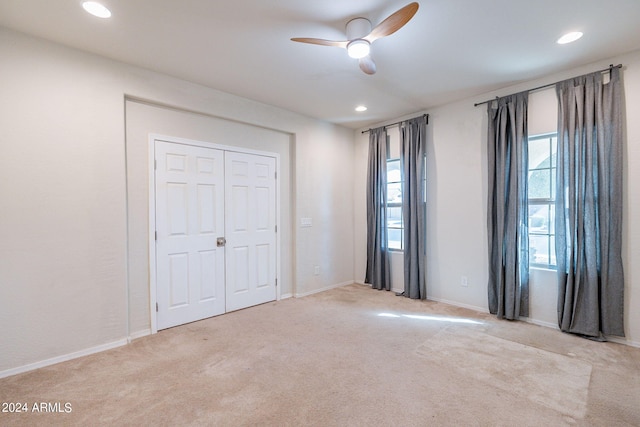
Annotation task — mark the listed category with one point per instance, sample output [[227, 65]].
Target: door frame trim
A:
[[152, 210]]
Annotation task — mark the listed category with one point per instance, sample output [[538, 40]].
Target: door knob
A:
[[221, 241]]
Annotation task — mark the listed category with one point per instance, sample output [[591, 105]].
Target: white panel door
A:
[[189, 197], [250, 222]]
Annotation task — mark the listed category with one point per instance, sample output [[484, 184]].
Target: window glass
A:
[[395, 238], [393, 170], [394, 217], [394, 193], [539, 219], [540, 184], [538, 153]]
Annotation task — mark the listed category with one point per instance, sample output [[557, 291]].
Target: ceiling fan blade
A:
[[367, 65], [321, 42], [393, 23]]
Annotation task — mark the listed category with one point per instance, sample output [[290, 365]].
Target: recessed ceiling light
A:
[[569, 37], [361, 108], [96, 9]]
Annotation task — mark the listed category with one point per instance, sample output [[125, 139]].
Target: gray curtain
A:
[[507, 214], [589, 205], [377, 273], [412, 157]]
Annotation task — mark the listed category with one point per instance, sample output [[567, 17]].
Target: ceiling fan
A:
[[360, 35]]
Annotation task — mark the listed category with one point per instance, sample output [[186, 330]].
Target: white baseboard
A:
[[326, 288], [139, 334], [63, 358], [623, 341], [361, 282], [540, 323], [457, 304], [285, 296]]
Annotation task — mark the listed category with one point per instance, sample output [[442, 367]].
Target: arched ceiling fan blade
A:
[[367, 65], [393, 23], [321, 42]]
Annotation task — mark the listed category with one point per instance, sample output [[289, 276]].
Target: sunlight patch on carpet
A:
[[431, 318], [554, 380]]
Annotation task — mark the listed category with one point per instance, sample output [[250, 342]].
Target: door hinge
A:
[[276, 228], [156, 307], [276, 282], [155, 164], [275, 175], [156, 236]]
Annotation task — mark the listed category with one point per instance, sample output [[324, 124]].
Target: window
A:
[[395, 185], [395, 226], [542, 195]]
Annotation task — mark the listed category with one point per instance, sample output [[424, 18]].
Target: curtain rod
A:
[[550, 84], [426, 116]]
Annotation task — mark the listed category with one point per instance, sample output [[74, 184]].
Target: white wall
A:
[[457, 199], [72, 251]]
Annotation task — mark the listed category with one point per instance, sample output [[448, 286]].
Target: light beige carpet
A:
[[543, 377], [351, 356]]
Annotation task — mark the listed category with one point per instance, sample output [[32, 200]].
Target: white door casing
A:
[[189, 217], [250, 229]]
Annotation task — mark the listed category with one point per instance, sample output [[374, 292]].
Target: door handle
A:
[[221, 241]]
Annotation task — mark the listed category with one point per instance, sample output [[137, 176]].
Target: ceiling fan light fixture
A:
[[96, 9], [360, 35], [358, 48], [569, 37], [361, 108]]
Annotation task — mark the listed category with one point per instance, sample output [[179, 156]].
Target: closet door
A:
[[250, 229], [189, 197]]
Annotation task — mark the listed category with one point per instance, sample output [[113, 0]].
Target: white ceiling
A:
[[451, 49]]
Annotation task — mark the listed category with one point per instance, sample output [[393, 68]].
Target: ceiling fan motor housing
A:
[[358, 28]]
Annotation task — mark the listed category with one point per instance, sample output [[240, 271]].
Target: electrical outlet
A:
[[463, 281], [316, 270]]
